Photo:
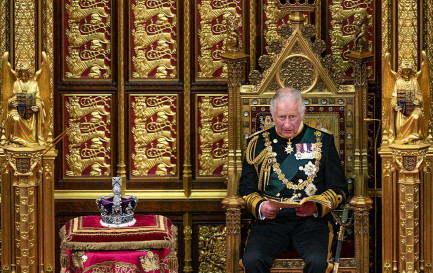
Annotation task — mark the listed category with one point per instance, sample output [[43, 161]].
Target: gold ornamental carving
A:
[[409, 160], [25, 99], [297, 71], [212, 135], [89, 136], [211, 244], [407, 32], [88, 39], [407, 102], [154, 40], [212, 34], [273, 17], [154, 133], [350, 21], [25, 33], [21, 178]]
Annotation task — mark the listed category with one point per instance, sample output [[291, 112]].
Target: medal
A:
[[289, 148]]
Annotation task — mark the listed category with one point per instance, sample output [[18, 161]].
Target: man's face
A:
[[287, 118]]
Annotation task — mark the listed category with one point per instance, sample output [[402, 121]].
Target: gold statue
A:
[[24, 101], [406, 102]]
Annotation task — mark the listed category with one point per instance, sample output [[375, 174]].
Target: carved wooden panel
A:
[[153, 136], [87, 39], [87, 146], [211, 32], [212, 137], [153, 39]]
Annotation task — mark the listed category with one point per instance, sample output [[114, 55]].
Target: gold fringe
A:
[[131, 245]]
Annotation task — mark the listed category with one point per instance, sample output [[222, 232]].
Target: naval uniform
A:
[[276, 167]]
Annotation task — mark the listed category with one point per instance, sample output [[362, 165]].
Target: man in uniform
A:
[[290, 160]]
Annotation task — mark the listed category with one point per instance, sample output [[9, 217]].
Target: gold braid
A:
[[260, 159]]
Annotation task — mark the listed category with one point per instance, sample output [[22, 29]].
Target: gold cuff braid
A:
[[333, 198]]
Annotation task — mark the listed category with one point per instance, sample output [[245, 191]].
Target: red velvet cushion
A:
[[149, 231]]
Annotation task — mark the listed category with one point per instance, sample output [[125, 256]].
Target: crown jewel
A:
[[117, 210]]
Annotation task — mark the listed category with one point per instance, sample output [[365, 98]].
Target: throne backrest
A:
[[298, 63]]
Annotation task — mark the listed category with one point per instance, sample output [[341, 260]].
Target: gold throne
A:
[[295, 61]]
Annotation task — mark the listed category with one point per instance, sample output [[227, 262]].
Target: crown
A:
[[297, 5], [117, 210]]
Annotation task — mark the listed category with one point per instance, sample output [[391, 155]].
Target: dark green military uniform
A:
[[276, 167]]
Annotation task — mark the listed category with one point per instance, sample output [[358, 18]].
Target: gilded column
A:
[[408, 162], [426, 255], [361, 203], [121, 167], [235, 59], [22, 176], [187, 173]]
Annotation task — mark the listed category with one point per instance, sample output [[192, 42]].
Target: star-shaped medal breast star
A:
[[289, 148]]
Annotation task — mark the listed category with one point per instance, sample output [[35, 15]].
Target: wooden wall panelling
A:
[[211, 136], [210, 21], [153, 136], [153, 27]]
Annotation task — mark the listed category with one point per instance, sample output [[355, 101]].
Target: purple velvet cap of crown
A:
[[108, 203]]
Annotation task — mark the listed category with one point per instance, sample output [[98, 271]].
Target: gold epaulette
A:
[[258, 132], [251, 201], [333, 198]]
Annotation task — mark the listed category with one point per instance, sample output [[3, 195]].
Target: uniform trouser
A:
[[310, 237]]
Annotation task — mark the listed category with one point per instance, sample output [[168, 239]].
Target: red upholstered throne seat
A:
[[146, 246]]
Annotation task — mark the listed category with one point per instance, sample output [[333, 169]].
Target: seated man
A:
[[290, 160]]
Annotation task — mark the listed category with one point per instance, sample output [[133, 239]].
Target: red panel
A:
[[153, 39], [153, 136], [211, 32], [87, 147], [87, 39]]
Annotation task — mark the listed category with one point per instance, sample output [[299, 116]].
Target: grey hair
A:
[[287, 94]]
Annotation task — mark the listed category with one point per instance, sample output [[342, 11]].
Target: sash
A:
[[290, 166]]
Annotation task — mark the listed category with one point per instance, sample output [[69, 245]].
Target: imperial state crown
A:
[[117, 210]]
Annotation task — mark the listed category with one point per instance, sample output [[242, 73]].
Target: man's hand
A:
[[307, 209], [35, 108], [14, 103], [398, 108], [268, 211]]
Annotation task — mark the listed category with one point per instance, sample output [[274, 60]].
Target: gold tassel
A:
[[172, 261]]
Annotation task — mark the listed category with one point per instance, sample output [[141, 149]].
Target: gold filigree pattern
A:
[[407, 32], [154, 135], [212, 135], [89, 138], [212, 32], [297, 72], [211, 249], [154, 40], [24, 38], [87, 39]]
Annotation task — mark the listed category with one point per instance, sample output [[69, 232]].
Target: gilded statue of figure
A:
[[406, 102], [24, 101]]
